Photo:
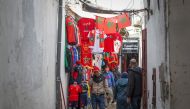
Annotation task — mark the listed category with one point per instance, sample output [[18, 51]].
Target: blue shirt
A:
[[110, 78]]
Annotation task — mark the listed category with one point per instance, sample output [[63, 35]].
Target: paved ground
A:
[[112, 106]]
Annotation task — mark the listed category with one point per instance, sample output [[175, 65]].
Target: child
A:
[[84, 95], [74, 91]]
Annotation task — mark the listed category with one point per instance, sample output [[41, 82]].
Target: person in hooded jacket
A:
[[134, 90], [121, 91]]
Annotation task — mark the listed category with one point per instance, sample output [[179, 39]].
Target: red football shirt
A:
[[109, 44], [74, 92], [109, 41], [85, 26], [70, 29]]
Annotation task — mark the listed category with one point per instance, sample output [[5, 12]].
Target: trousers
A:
[[98, 100]]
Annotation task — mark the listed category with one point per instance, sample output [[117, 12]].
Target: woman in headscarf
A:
[[121, 91]]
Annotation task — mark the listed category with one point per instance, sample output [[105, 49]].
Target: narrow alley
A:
[[94, 54]]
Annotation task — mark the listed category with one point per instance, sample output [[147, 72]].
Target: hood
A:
[[124, 75], [136, 69], [123, 81], [98, 79]]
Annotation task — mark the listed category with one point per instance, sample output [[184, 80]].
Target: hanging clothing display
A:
[[98, 60], [86, 60], [117, 46], [74, 53], [68, 62], [113, 58], [113, 43], [71, 31], [85, 48], [74, 91], [76, 57], [96, 40], [85, 26], [78, 36], [117, 42], [109, 44], [86, 55]]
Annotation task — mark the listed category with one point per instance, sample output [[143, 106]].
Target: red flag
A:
[[123, 21], [100, 23], [110, 25]]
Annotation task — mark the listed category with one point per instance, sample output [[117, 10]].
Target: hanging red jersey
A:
[[113, 58], [109, 43], [70, 29], [78, 37], [117, 42], [74, 92], [86, 60], [85, 48], [96, 39], [91, 36], [85, 26], [102, 38]]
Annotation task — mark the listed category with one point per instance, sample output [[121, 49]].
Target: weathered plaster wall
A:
[[156, 52], [179, 32], [28, 33]]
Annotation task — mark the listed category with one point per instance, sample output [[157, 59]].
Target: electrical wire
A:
[[116, 11]]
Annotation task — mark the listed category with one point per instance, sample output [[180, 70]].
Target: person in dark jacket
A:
[[121, 91], [134, 90]]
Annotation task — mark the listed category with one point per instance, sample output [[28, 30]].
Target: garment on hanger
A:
[[117, 46], [96, 40], [76, 58], [86, 60], [85, 26], [113, 42], [98, 60], [70, 30], [109, 44]]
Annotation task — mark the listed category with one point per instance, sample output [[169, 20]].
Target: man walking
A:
[[99, 87], [111, 84], [134, 91]]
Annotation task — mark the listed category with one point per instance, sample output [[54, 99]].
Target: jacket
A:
[[99, 85], [121, 92], [135, 82], [121, 89], [110, 78], [74, 92]]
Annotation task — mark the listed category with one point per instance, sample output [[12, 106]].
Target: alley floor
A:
[[112, 106]]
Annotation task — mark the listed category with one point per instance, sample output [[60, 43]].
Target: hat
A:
[[95, 68]]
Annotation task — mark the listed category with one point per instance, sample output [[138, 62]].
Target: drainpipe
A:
[[58, 63]]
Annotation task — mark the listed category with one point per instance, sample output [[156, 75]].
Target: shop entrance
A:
[[130, 50]]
